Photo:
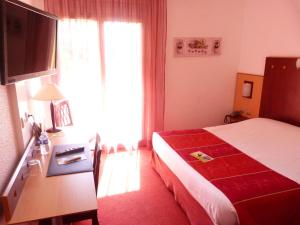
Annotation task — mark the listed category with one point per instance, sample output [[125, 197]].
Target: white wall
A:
[[25, 90], [10, 132], [200, 90], [271, 28], [8, 143]]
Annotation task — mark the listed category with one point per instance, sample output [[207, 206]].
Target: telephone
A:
[[236, 113], [229, 118]]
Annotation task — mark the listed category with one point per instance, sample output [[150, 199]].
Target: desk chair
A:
[[62, 114], [93, 215], [97, 159]]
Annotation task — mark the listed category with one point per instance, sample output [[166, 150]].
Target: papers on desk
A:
[[70, 163], [71, 159]]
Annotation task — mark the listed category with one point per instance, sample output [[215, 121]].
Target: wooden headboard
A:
[[281, 90]]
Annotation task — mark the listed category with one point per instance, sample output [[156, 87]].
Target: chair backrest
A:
[[97, 160], [62, 114]]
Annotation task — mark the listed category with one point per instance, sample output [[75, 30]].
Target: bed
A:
[[270, 145]]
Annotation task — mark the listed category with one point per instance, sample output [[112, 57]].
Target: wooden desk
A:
[[46, 197]]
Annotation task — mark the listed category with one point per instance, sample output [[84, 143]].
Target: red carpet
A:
[[149, 204]]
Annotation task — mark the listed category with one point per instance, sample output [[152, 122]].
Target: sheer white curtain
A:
[[123, 84], [80, 71], [133, 43], [115, 109]]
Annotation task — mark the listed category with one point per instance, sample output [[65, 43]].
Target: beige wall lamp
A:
[[298, 64], [247, 89]]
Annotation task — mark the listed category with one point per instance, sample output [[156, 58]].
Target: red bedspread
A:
[[260, 195]]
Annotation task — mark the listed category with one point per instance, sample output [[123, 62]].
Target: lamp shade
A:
[[49, 92]]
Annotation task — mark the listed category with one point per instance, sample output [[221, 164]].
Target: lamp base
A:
[[53, 130]]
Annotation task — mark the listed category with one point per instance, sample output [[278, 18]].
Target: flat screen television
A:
[[28, 42]]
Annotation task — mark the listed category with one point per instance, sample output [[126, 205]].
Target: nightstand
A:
[[234, 119]]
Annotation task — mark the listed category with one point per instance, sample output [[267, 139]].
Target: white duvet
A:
[[273, 143]]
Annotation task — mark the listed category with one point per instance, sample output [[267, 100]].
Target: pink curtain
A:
[[152, 15]]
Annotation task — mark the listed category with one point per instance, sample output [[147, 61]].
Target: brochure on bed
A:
[[201, 156], [259, 194]]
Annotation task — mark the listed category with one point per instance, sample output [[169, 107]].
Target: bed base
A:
[[194, 211]]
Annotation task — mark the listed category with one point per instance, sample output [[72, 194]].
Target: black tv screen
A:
[[28, 42]]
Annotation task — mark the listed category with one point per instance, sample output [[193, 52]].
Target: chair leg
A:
[[95, 218]]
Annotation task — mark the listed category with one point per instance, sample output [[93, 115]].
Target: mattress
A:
[[273, 143]]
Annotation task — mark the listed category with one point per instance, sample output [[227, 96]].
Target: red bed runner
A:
[[259, 194]]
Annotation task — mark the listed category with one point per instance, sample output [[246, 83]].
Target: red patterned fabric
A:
[[260, 195], [194, 211]]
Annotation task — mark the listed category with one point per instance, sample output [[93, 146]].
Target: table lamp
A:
[[50, 92]]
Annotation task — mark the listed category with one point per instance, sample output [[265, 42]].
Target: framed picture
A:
[[197, 46]]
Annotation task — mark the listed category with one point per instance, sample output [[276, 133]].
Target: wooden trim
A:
[[13, 102], [14, 188], [31, 8]]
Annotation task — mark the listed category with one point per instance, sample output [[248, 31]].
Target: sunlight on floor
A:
[[121, 173]]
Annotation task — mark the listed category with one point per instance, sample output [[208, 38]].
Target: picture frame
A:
[[197, 47]]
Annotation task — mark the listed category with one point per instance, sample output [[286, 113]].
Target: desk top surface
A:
[[45, 197]]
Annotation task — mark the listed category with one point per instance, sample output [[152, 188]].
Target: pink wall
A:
[[271, 28], [36, 3], [200, 90]]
